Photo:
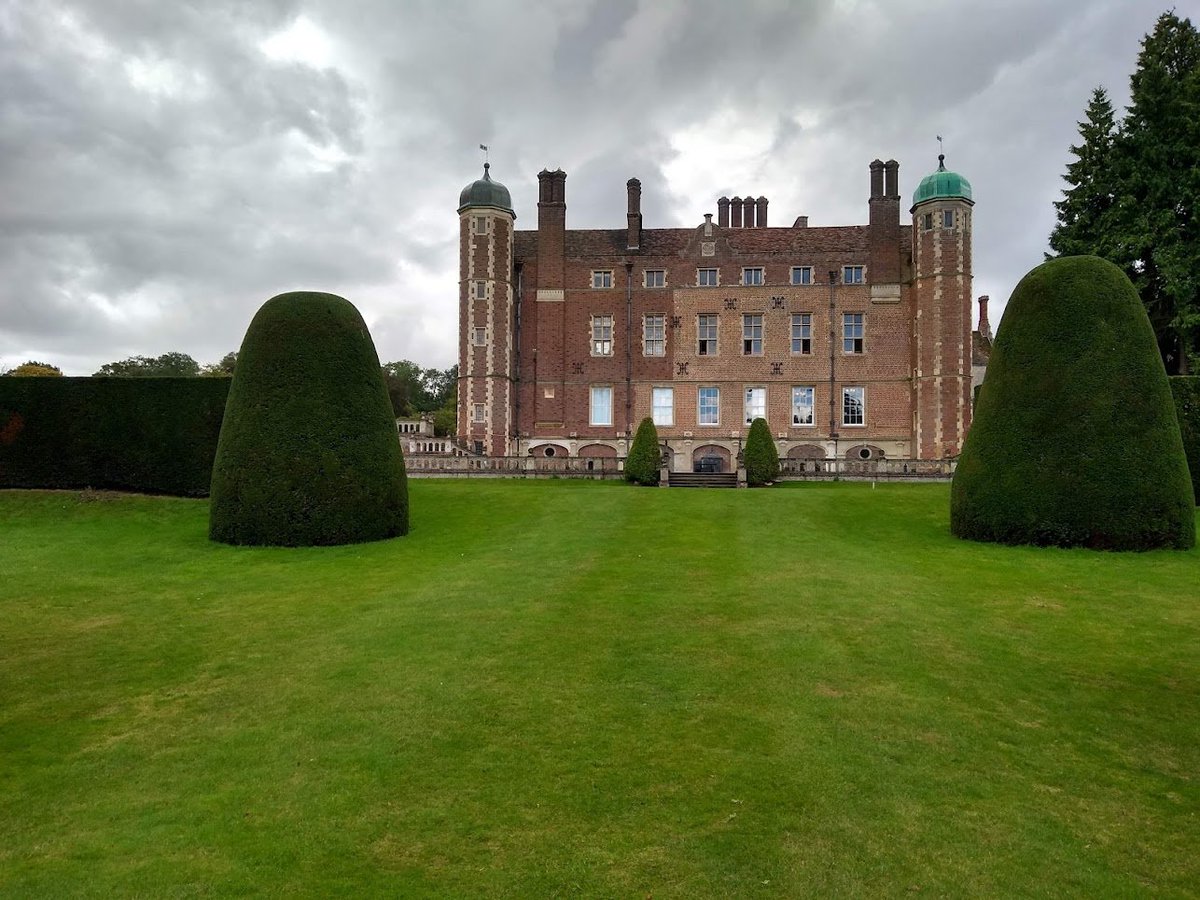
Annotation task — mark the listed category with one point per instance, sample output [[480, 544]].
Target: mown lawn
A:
[[576, 688]]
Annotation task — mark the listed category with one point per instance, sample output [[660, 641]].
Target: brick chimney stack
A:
[[552, 227], [634, 240], [748, 208], [735, 212], [762, 212], [985, 328], [884, 237], [723, 212]]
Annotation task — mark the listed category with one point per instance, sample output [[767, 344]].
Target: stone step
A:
[[703, 479]]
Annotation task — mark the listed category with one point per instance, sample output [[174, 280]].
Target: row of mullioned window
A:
[[654, 334], [708, 405], [711, 277]]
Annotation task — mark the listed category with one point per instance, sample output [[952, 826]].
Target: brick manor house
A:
[[851, 341]]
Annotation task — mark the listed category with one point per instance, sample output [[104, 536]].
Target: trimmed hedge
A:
[[308, 453], [643, 465], [151, 435], [1186, 390], [1075, 440], [761, 456]]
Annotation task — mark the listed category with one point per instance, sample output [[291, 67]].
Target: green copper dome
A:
[[942, 184], [486, 192]]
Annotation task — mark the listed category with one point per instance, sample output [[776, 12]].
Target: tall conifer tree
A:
[[1134, 197]]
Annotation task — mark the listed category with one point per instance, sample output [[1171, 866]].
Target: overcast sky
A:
[[166, 166]]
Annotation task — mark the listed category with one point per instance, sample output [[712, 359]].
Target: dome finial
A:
[[941, 162]]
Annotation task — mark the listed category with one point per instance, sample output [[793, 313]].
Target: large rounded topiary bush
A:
[[1075, 440], [308, 452], [762, 459], [643, 465]]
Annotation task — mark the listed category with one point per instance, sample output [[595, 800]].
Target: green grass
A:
[[579, 688]]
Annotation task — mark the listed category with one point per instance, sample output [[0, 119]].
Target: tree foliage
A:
[[1075, 440], [168, 365], [1187, 408], [1134, 195], [308, 453], [643, 465], [414, 389], [760, 455], [223, 368], [34, 369]]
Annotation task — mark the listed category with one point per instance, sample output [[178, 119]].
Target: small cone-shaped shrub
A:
[[644, 462], [1075, 440], [308, 453], [762, 459]]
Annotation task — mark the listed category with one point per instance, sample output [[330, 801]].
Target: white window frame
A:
[[801, 392], [479, 336], [478, 412], [861, 393], [752, 345], [702, 279], [854, 333], [804, 273], [715, 394], [662, 413], [602, 279], [803, 322], [701, 340], [755, 403], [654, 278], [654, 334], [754, 276], [854, 274], [602, 335], [598, 415]]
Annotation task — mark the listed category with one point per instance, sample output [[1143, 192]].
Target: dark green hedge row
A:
[[153, 435], [1186, 390]]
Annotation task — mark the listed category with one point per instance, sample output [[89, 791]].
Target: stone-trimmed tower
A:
[[486, 315], [941, 241]]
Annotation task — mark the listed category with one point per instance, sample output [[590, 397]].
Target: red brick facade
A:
[[580, 327]]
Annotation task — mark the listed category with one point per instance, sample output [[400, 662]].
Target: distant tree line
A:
[[1134, 195], [413, 389]]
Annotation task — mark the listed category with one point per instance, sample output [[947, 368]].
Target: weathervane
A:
[[486, 164]]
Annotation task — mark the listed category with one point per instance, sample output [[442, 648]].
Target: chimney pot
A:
[[723, 212], [762, 212], [735, 212]]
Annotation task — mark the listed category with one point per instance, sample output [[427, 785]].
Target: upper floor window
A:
[[852, 332], [927, 222], [752, 334], [480, 288], [706, 335], [479, 336], [478, 412], [802, 332], [600, 409], [481, 224], [801, 274], [709, 406], [602, 278], [602, 335], [802, 405], [708, 277], [756, 404], [852, 274], [655, 278], [947, 218], [752, 275], [662, 405], [854, 403], [654, 336]]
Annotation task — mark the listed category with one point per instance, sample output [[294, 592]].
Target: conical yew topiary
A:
[[1075, 440], [644, 462], [308, 453], [760, 455]]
